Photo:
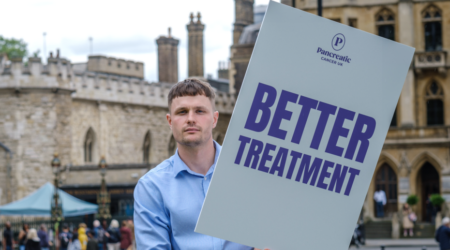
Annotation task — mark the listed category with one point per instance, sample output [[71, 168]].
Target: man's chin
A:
[[191, 142]]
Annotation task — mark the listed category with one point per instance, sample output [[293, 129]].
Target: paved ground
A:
[[400, 244]]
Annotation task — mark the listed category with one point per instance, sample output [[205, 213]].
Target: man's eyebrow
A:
[[196, 107]]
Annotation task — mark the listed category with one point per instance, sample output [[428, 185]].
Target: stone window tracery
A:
[[146, 147], [385, 22], [89, 143], [432, 21], [435, 106]]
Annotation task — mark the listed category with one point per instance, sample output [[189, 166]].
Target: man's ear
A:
[[216, 118], [169, 120]]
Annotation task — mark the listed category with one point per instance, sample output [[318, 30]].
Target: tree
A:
[[13, 48]]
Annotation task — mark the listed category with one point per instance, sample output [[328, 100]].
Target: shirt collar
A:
[[179, 165]]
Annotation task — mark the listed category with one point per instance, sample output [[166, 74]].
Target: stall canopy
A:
[[38, 204]]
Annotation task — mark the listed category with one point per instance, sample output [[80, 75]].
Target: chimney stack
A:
[[168, 58], [195, 46], [243, 17]]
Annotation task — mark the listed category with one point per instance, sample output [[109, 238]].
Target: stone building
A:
[[103, 107], [416, 155]]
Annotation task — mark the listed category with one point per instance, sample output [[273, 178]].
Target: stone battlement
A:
[[95, 86]]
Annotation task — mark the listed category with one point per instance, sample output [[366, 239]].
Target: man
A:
[[443, 234], [380, 201], [168, 199], [44, 240], [8, 237], [65, 237]]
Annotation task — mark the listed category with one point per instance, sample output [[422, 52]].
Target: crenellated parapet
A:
[[59, 74]]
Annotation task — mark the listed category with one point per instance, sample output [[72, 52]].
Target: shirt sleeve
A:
[[151, 220]]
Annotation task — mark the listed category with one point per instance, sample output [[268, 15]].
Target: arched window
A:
[[89, 143], [385, 21], [386, 180], [394, 119], [432, 20], [435, 105], [172, 146], [428, 182], [146, 147]]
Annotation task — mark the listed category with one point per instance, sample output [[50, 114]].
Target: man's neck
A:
[[199, 159]]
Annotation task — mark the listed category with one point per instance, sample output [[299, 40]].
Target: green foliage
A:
[[412, 200], [437, 200], [36, 53], [14, 48]]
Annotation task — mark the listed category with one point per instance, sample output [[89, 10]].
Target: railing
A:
[[430, 59]]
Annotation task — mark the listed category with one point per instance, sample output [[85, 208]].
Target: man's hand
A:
[[107, 234]]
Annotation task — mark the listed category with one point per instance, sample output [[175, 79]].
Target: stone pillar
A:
[[35, 66], [289, 2], [406, 36], [195, 46], [243, 17], [168, 58]]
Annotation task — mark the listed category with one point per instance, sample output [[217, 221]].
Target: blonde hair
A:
[[114, 224], [32, 234], [83, 225]]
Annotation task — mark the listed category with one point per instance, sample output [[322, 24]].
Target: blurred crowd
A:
[[98, 237]]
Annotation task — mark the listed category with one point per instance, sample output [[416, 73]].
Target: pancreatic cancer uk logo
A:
[[338, 42]]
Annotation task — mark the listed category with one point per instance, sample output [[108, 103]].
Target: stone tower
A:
[[167, 58], [244, 17], [195, 46]]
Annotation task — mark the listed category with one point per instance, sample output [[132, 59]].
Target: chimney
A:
[[195, 46], [57, 53], [243, 17], [167, 58]]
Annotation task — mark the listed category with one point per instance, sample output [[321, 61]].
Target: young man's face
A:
[[192, 119]]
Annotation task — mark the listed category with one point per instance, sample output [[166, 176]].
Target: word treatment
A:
[[312, 170]]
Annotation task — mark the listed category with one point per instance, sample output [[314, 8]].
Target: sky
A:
[[122, 29]]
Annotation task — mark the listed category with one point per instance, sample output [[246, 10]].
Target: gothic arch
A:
[[89, 146], [417, 164], [385, 158], [384, 15], [432, 10]]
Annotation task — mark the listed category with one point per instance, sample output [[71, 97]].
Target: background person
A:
[[92, 242], [407, 224], [65, 238], [133, 239], [443, 234], [113, 236], [380, 200], [8, 237], [23, 236], [125, 236], [82, 237], [33, 241], [43, 237], [99, 234]]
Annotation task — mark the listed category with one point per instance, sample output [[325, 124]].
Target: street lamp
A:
[[56, 205], [103, 197]]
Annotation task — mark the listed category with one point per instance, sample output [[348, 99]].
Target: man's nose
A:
[[191, 116]]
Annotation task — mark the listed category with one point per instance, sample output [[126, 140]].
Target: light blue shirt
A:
[[167, 203]]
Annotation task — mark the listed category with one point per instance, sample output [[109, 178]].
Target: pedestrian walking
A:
[[8, 237], [82, 237], [75, 244], [43, 237], [125, 234], [113, 236], [133, 239], [99, 234], [380, 200], [65, 237], [407, 222], [23, 236], [33, 241], [443, 234], [92, 243]]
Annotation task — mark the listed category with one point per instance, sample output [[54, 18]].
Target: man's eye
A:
[[200, 111], [182, 112]]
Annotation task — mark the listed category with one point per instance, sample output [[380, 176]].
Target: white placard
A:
[[305, 136]]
